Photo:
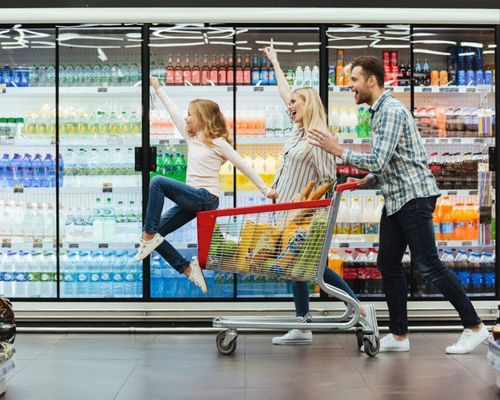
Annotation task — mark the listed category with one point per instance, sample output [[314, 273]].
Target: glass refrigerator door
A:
[[356, 231], [263, 126], [191, 62], [455, 110], [100, 192], [27, 167]]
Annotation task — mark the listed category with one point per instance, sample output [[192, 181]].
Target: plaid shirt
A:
[[398, 159]]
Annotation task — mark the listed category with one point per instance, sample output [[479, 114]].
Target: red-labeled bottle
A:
[[205, 71], [178, 71], [169, 72], [247, 71], [186, 71], [214, 72], [222, 79], [196, 71]]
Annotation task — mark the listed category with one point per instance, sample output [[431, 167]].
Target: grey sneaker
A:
[[295, 336]]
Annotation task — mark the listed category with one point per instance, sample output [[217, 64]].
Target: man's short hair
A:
[[371, 66]]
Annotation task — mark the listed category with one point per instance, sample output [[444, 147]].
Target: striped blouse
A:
[[301, 163]]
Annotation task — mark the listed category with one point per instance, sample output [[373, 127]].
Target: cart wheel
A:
[[359, 337], [225, 349], [372, 349]]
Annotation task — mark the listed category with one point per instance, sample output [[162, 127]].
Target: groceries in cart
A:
[[285, 243]]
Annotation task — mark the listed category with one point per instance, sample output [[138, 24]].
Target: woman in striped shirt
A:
[[300, 164]]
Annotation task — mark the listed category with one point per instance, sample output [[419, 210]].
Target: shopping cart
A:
[[289, 241]]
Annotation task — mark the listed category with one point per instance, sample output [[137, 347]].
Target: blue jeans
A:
[[301, 291], [412, 225], [188, 200]]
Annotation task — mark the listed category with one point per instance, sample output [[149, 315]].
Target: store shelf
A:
[[336, 244], [426, 89], [71, 91], [434, 141], [102, 246], [125, 140]]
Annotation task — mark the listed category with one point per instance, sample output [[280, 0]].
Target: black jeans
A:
[[412, 225]]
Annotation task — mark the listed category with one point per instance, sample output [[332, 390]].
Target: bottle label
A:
[[204, 77], [247, 77], [229, 77], [195, 77], [255, 76], [213, 76], [178, 77], [239, 77], [170, 77], [222, 77], [447, 227], [186, 76]]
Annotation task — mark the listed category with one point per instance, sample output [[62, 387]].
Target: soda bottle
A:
[[447, 226], [239, 71], [186, 71], [169, 72], [247, 71], [205, 71], [255, 70], [264, 71], [178, 73], [221, 74], [214, 72], [350, 273], [361, 269], [230, 71], [196, 71]]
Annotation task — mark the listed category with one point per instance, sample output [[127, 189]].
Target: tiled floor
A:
[[188, 366]]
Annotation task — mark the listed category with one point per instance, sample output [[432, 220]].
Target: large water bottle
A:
[[70, 75], [119, 271], [87, 75], [26, 170], [61, 170], [15, 163], [96, 75], [156, 276], [95, 273], [475, 271], [38, 171], [5, 171], [105, 74], [70, 267], [106, 286], [6, 73], [48, 274], [20, 280], [485, 266], [98, 221], [10, 265], [115, 75], [83, 274], [50, 171], [35, 274], [51, 75], [134, 268]]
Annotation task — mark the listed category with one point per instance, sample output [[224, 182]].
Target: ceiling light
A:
[[337, 38], [307, 50], [492, 46], [241, 42], [134, 35], [243, 48], [466, 54], [435, 42], [176, 44], [309, 44], [390, 46], [426, 51], [83, 46], [489, 52], [407, 32], [423, 34], [223, 43], [101, 55], [359, 46], [241, 31], [472, 44], [267, 43]]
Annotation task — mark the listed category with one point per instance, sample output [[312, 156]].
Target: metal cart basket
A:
[[288, 241]]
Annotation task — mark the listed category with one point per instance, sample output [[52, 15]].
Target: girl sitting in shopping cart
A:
[[300, 164], [209, 146]]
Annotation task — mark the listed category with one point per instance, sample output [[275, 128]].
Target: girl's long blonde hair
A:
[[314, 115], [209, 120]]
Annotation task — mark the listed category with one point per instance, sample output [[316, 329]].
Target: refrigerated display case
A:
[[81, 99]]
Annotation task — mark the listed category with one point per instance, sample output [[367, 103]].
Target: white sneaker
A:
[[295, 336], [147, 246], [371, 318], [468, 341], [196, 276], [389, 343]]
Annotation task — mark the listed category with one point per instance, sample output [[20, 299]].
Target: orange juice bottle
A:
[[436, 219], [473, 219], [335, 262], [459, 221], [447, 226]]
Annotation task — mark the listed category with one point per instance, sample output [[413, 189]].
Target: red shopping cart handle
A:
[[347, 186]]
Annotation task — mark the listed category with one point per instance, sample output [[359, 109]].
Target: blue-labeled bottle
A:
[[255, 70], [264, 71]]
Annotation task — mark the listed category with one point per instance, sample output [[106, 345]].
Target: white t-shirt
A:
[[204, 162]]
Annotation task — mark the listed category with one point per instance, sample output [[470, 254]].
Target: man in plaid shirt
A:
[[399, 163]]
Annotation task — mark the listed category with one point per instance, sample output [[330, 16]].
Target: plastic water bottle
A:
[[98, 221], [10, 265], [119, 271], [109, 221], [26, 170], [38, 171], [156, 277], [475, 271], [5, 171], [15, 163], [35, 274], [61, 171], [50, 170], [70, 269], [106, 286], [130, 276], [96, 75], [21, 275], [95, 273], [87, 75], [82, 274], [48, 276]]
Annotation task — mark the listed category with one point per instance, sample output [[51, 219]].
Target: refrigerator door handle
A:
[[152, 159], [138, 159], [492, 152]]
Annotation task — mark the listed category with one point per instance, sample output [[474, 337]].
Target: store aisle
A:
[[188, 366]]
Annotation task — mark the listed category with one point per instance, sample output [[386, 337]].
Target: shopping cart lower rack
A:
[[288, 241]]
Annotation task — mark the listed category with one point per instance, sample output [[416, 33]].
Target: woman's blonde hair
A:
[[208, 119], [314, 115]]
